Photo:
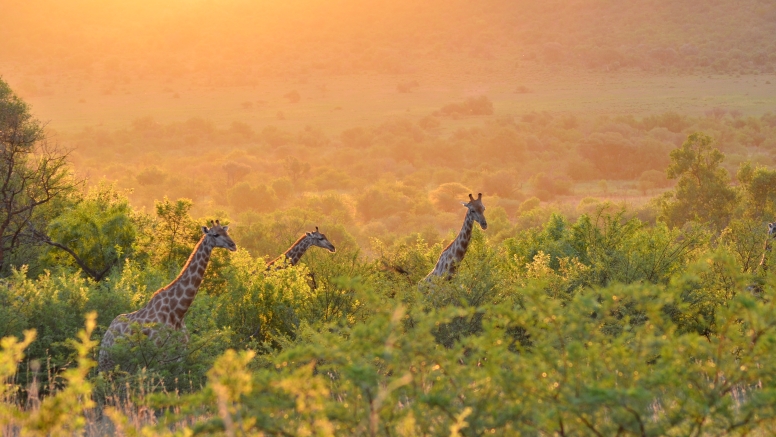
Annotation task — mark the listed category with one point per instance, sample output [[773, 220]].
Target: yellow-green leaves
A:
[[62, 413]]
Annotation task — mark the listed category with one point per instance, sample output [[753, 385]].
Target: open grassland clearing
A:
[[338, 102]]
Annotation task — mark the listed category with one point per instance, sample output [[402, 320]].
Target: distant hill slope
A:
[[235, 41]]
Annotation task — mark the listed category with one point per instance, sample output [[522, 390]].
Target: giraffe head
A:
[[218, 236], [477, 209], [318, 239]]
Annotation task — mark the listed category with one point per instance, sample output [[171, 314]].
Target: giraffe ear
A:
[[308, 234], [204, 229], [465, 204]]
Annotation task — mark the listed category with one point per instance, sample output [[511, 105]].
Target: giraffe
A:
[[291, 257], [295, 252], [761, 271], [767, 247], [168, 306], [453, 254]]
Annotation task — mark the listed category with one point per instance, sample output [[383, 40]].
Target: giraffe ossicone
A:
[[453, 254], [168, 306], [294, 253]]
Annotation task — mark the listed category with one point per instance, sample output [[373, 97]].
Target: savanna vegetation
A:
[[622, 286], [647, 319], [407, 175]]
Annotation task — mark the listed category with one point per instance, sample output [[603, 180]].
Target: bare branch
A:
[[97, 276]]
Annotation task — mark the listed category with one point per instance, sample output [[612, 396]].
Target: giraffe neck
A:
[[453, 254], [461, 243], [171, 303], [295, 252], [764, 260]]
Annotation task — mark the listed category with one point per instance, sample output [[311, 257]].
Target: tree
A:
[[611, 153], [96, 232], [151, 176], [703, 192], [235, 172], [176, 229], [244, 196], [447, 197], [33, 174], [296, 168], [758, 188]]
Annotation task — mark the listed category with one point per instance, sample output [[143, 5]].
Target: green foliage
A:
[[600, 325], [176, 230], [743, 239], [603, 362], [62, 413], [263, 306], [98, 229], [589, 320], [163, 352], [702, 192], [36, 177], [53, 304], [607, 247], [759, 189]]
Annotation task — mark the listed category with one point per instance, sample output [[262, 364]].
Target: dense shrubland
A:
[[603, 324], [596, 318], [400, 177]]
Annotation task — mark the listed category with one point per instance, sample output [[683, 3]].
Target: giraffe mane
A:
[[448, 245], [283, 255], [298, 240], [183, 269], [453, 241]]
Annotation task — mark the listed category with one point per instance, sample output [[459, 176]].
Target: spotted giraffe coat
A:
[[453, 254], [168, 306], [295, 252]]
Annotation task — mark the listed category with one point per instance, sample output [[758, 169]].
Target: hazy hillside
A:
[[236, 42]]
